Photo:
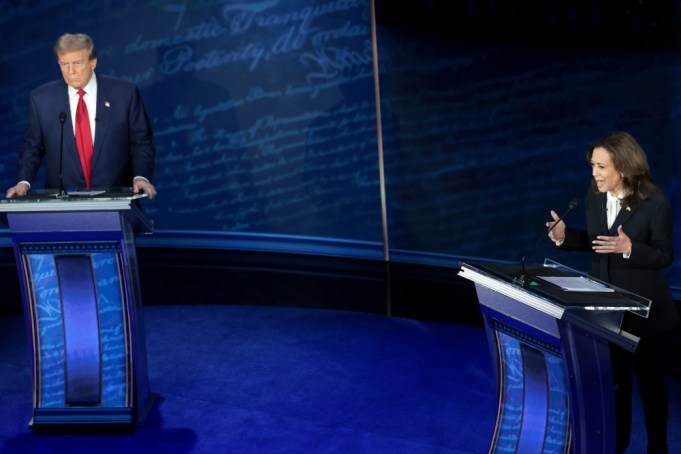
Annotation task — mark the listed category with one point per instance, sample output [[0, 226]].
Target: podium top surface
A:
[[114, 199], [555, 288], [45, 210]]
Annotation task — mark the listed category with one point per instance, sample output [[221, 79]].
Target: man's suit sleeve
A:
[[142, 147], [33, 149]]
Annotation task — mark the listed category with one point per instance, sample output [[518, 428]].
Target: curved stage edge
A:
[[179, 268], [197, 267]]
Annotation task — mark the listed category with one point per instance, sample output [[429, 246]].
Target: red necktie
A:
[[84, 138]]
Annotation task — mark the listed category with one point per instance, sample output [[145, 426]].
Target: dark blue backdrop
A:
[[487, 110], [265, 117], [263, 112]]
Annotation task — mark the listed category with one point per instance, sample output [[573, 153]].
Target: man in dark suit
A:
[[629, 230], [107, 138]]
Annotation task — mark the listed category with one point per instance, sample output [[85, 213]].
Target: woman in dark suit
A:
[[629, 229]]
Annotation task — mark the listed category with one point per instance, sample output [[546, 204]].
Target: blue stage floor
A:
[[258, 379]]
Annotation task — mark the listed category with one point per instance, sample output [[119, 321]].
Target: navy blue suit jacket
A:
[[648, 223], [123, 147]]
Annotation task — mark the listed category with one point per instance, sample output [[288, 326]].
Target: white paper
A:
[[576, 284], [85, 192]]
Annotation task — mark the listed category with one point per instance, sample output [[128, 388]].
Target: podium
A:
[[80, 287], [549, 328]]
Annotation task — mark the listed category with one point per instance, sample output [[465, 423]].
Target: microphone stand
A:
[[62, 192], [522, 278]]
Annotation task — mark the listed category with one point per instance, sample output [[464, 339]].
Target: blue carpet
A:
[[284, 380], [253, 379]]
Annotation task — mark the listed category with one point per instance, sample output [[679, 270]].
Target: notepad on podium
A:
[[577, 284]]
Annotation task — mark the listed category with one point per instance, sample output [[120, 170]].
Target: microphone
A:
[[521, 279], [62, 120]]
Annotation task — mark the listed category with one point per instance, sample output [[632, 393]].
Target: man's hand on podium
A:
[[20, 189], [142, 185]]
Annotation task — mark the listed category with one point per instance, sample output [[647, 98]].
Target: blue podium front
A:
[[550, 348], [78, 271]]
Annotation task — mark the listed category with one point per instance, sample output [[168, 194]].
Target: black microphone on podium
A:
[[62, 120], [521, 279]]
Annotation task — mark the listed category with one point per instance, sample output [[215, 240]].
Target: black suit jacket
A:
[[649, 225], [123, 147]]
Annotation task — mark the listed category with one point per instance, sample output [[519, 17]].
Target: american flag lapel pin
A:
[[107, 104]]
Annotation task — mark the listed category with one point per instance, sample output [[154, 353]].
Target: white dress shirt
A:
[[613, 207], [90, 98]]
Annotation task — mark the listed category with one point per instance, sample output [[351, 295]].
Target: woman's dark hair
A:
[[630, 160]]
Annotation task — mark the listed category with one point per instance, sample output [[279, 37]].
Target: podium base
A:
[[90, 419], [82, 420], [144, 412]]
